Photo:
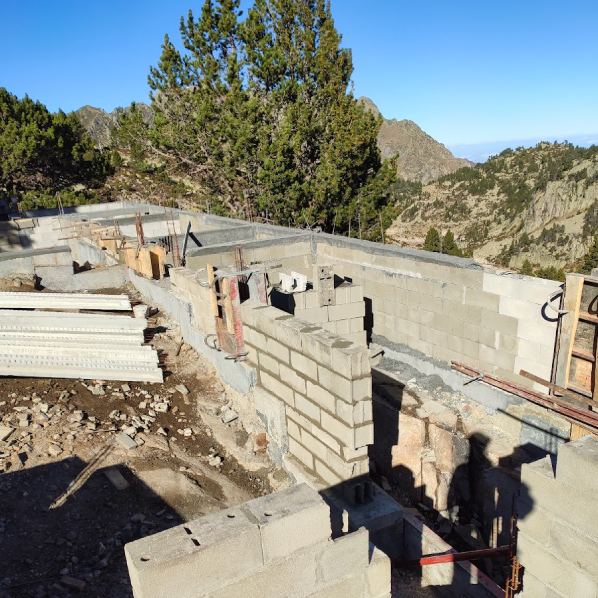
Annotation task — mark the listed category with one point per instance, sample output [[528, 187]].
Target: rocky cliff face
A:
[[538, 204], [421, 158], [100, 124]]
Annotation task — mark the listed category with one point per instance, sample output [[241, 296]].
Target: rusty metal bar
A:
[[562, 391], [587, 418], [454, 557]]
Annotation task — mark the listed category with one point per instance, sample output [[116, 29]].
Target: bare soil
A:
[[61, 516]]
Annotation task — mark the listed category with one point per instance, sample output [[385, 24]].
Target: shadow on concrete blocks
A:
[[479, 496]]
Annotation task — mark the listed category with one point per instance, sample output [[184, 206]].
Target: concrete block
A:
[[314, 315], [359, 338], [307, 408], [343, 327], [339, 430], [331, 478], [278, 350], [534, 523], [499, 323], [290, 520], [178, 561], [298, 450], [346, 311], [497, 358], [342, 294], [543, 334], [378, 574], [561, 575], [321, 397], [539, 488], [314, 429], [277, 388], [318, 345], [306, 366], [291, 378], [352, 587], [577, 464], [283, 579], [344, 557], [482, 299], [350, 361], [356, 324], [333, 382], [356, 293], [289, 331], [268, 363]]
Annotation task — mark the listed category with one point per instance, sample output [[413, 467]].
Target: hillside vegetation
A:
[[523, 209]]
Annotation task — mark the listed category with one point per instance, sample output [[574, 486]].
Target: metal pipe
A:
[[454, 557]]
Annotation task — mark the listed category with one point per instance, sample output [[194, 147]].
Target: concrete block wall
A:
[[345, 317], [324, 383], [558, 529], [278, 546], [185, 284], [451, 308], [292, 253]]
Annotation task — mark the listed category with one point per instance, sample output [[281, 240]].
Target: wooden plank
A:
[[582, 355], [213, 298], [587, 317], [572, 299], [563, 391]]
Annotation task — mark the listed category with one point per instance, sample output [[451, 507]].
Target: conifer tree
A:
[[42, 150], [432, 242], [449, 245], [590, 259], [257, 110]]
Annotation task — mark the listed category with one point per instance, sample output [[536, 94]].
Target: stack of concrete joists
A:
[[45, 344], [278, 546], [558, 527], [315, 387]]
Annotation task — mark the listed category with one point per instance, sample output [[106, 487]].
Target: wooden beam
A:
[[563, 391], [572, 300]]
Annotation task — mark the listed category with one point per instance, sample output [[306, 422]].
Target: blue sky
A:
[[465, 71]]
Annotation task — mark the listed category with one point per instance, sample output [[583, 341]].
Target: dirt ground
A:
[[63, 522]]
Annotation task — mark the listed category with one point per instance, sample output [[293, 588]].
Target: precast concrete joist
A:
[[71, 337], [84, 369], [133, 354], [68, 320], [64, 301]]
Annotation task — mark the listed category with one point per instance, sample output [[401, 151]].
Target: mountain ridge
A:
[[421, 157]]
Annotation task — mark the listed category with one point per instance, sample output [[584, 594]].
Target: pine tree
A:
[[449, 245], [527, 268], [41, 150], [258, 112], [432, 242], [590, 259]]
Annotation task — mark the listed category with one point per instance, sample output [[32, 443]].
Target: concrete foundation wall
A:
[[558, 529], [278, 546], [323, 383]]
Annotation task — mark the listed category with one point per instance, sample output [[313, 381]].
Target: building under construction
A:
[[435, 418]]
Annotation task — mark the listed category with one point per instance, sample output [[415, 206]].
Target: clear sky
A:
[[466, 71]]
